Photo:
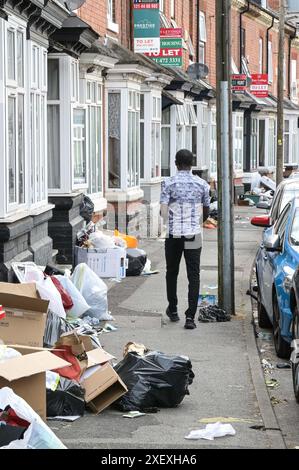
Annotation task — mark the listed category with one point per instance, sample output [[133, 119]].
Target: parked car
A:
[[295, 334], [285, 192], [276, 262]]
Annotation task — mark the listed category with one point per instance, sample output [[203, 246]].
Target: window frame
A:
[[111, 17], [13, 89]]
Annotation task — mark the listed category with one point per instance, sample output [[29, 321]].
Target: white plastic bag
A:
[[7, 353], [38, 435], [80, 305], [48, 291], [94, 291], [101, 241], [211, 431]]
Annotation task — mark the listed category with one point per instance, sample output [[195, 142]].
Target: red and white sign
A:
[[171, 33], [260, 85]]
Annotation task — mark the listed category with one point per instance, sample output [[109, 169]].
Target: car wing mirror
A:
[[272, 243]]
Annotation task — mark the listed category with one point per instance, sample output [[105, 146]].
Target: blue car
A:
[[276, 263]]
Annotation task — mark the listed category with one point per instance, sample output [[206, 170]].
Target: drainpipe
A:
[[198, 31], [267, 37], [246, 10]]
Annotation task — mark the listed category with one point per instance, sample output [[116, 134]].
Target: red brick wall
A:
[[94, 12]]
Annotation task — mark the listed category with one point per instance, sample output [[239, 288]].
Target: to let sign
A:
[[259, 85], [239, 83], [146, 26], [170, 54]]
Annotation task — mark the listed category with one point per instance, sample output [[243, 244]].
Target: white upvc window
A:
[[156, 138], [133, 162], [272, 142], [261, 54], [287, 153], [15, 118], [38, 140], [203, 141], [123, 136], [202, 36], [94, 136], [79, 146], [254, 144], [172, 9], [270, 62], [166, 143], [111, 16], [67, 129], [213, 149], [238, 130], [161, 5], [294, 86]]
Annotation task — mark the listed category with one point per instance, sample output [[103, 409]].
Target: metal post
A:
[[280, 96], [226, 279]]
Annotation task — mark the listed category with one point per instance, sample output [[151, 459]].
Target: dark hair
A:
[[184, 159]]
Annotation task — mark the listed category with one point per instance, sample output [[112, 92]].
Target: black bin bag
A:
[[136, 261], [67, 400], [154, 380]]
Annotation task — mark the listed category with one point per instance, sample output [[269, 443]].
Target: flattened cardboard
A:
[[26, 376], [26, 314], [97, 357], [103, 388]]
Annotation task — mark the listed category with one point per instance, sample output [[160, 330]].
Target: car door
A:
[[268, 260]]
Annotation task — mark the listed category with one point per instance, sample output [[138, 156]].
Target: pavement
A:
[[229, 384]]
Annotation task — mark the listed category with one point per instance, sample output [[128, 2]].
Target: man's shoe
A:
[[173, 316], [190, 324]]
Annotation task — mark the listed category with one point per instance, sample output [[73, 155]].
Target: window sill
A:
[[118, 195], [113, 26]]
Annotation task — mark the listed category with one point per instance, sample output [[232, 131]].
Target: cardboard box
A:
[[26, 375], [102, 384], [26, 314], [109, 263]]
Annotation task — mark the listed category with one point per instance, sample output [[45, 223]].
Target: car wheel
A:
[[295, 368], [282, 347], [263, 319]]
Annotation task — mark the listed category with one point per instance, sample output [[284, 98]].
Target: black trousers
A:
[[174, 249]]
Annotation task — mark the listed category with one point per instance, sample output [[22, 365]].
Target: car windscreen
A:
[[294, 238], [291, 191]]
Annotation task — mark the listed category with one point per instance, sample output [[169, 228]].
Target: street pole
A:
[[280, 96], [226, 280]]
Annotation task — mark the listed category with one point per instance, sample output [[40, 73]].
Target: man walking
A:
[[184, 205]]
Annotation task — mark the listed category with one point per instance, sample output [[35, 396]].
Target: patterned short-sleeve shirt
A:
[[185, 195]]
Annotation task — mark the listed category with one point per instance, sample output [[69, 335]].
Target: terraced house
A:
[[81, 113]]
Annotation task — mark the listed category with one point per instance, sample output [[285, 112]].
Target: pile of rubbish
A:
[[110, 255], [154, 379], [212, 221]]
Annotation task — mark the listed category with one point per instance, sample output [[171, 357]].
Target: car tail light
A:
[[261, 221]]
